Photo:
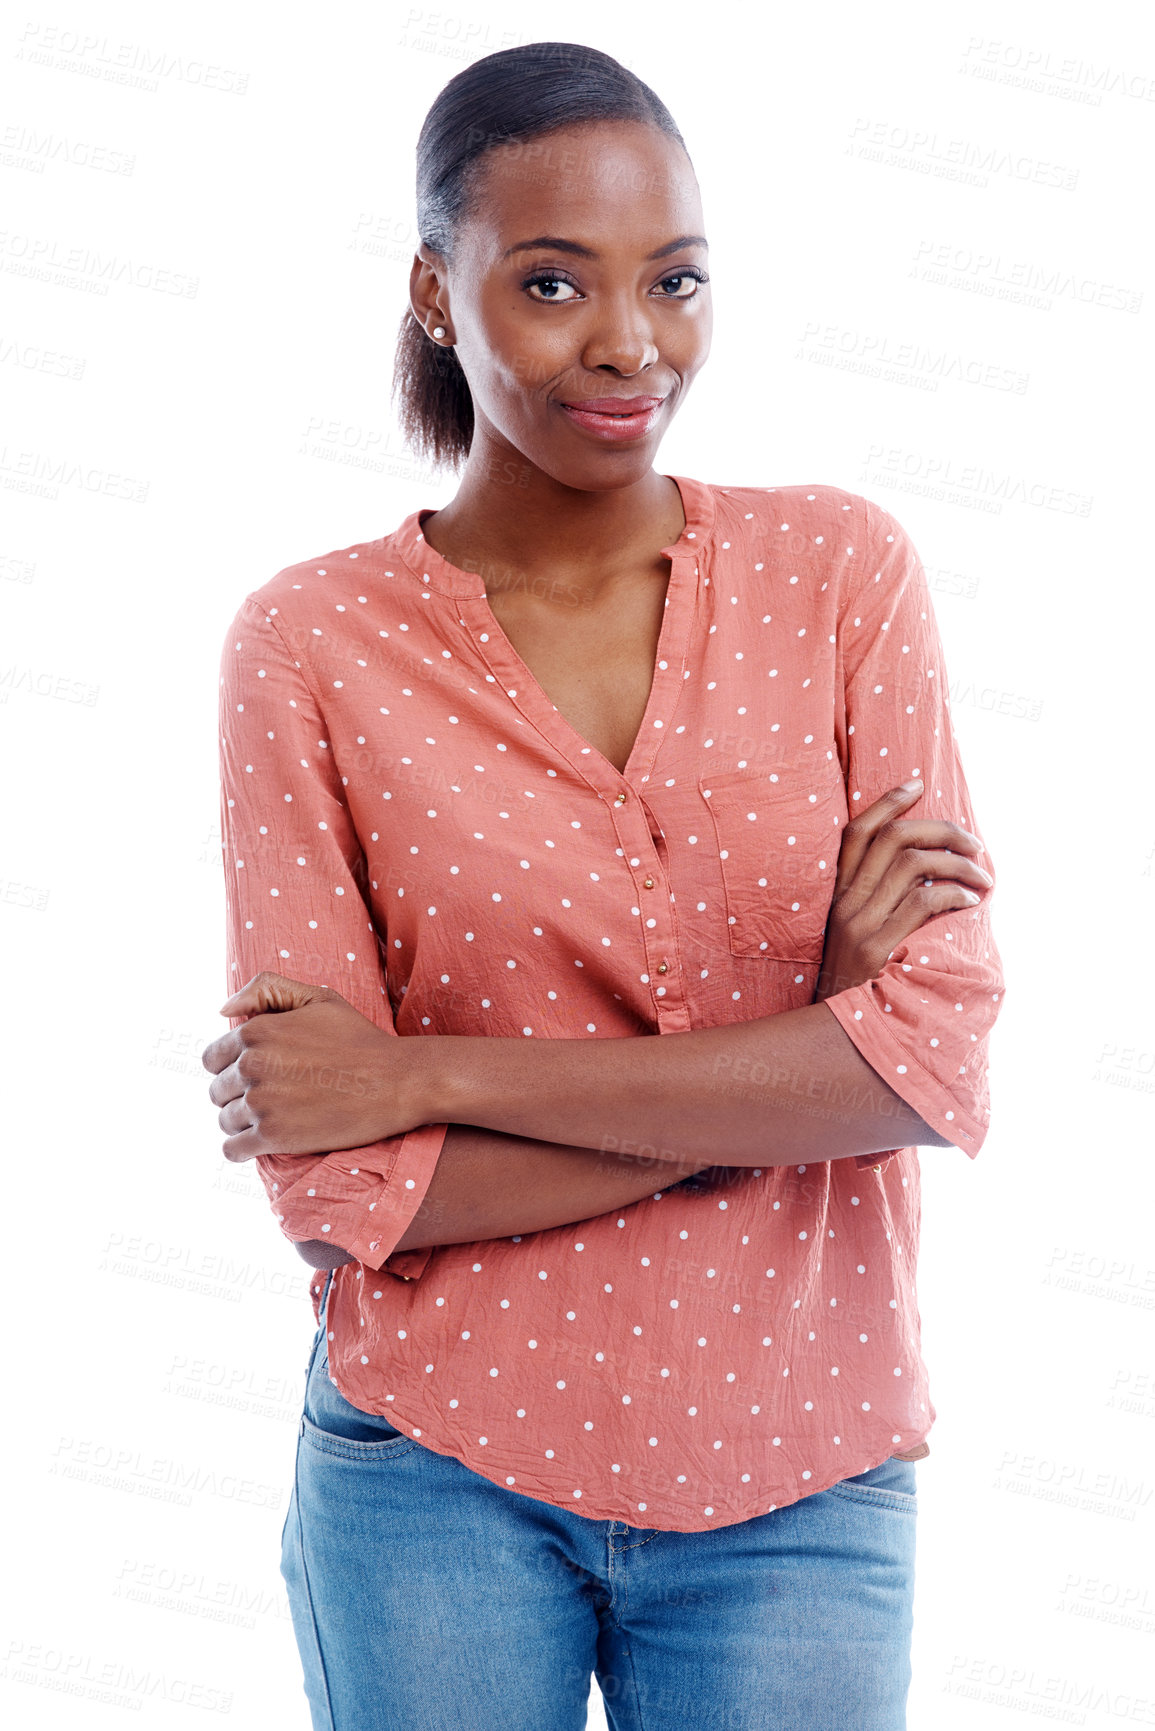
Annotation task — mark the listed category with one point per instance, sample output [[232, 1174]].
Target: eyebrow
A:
[[557, 244]]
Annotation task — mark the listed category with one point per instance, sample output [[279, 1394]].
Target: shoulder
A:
[[311, 585], [325, 592], [812, 515], [829, 528], [851, 546]]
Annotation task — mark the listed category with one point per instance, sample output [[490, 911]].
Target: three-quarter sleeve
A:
[[295, 904], [924, 1022]]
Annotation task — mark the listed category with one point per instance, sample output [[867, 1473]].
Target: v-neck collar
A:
[[511, 673]]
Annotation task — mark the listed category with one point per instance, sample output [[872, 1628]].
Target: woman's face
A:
[[579, 280]]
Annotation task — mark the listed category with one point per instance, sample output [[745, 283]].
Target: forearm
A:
[[784, 1088], [487, 1185], [574, 1128]]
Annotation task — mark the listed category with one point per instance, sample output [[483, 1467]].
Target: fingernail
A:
[[970, 896], [909, 786]]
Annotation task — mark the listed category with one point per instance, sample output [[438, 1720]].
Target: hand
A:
[[893, 875], [307, 1073]]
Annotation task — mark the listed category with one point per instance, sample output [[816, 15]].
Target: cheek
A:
[[705, 332], [510, 358], [510, 378], [689, 345]]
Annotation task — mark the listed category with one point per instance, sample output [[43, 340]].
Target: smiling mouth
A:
[[617, 408], [615, 419]]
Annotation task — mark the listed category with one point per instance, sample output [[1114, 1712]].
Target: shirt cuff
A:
[[408, 1264], [364, 1199], [867, 1026]]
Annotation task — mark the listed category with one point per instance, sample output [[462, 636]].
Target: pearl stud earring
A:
[[439, 330]]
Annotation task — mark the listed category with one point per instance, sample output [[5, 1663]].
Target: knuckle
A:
[[874, 954], [877, 955]]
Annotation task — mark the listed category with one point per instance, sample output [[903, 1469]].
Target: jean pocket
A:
[[330, 1419], [778, 844], [893, 1484], [391, 1446]]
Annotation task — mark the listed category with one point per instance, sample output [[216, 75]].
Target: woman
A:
[[617, 1365]]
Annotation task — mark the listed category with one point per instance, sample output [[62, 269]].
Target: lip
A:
[[616, 405], [615, 418]]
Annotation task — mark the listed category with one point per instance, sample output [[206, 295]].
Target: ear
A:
[[429, 288]]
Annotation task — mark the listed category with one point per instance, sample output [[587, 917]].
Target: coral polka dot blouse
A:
[[408, 819]]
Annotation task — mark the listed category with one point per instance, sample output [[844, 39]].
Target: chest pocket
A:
[[778, 848]]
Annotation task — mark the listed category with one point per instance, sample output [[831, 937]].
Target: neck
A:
[[508, 513]]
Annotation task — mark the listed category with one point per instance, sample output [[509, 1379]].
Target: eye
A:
[[692, 276], [548, 280]]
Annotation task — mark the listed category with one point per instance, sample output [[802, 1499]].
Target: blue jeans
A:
[[425, 1598]]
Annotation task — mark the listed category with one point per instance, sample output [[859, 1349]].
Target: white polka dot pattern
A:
[[409, 819]]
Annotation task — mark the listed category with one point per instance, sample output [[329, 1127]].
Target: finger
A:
[[876, 936], [235, 1117], [864, 826], [922, 904], [267, 991], [911, 896], [912, 866], [245, 1146], [228, 1085], [895, 839], [222, 1051]]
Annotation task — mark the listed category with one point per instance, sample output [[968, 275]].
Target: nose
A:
[[622, 342]]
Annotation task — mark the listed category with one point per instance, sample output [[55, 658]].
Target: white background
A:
[[879, 293]]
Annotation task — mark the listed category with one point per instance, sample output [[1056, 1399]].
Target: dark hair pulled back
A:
[[504, 99]]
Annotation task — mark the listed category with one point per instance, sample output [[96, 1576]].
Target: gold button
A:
[[621, 799], [664, 968], [647, 883]]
